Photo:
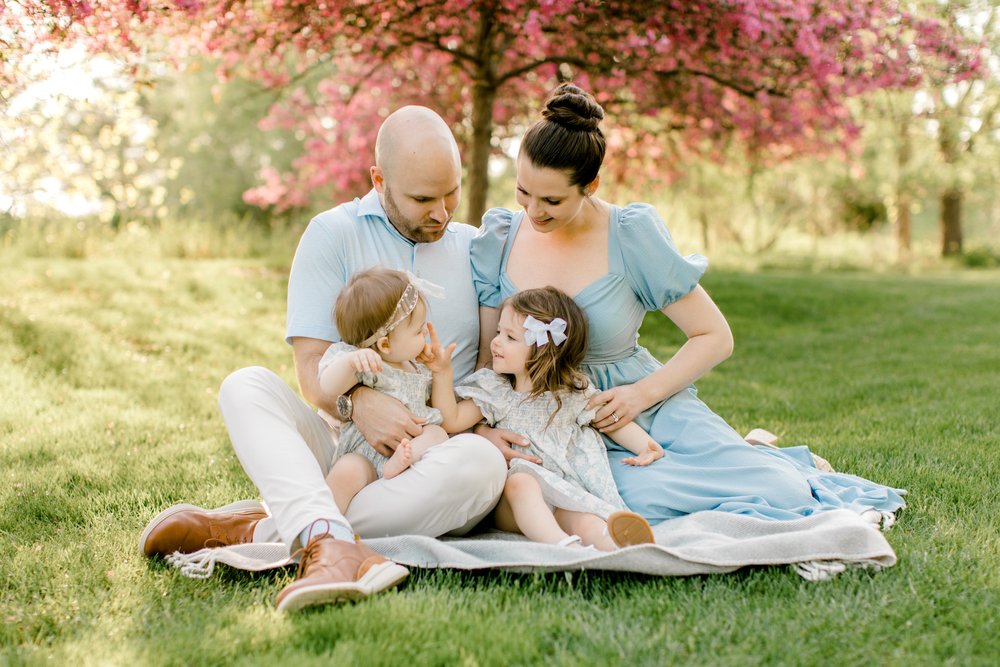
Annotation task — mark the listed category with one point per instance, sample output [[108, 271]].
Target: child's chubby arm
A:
[[633, 438], [341, 374], [457, 416]]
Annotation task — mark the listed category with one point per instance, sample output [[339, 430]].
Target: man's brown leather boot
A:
[[189, 528], [333, 570]]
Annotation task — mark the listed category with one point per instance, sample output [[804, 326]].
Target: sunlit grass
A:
[[110, 365], [80, 238]]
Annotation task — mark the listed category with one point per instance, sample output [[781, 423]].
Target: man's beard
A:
[[415, 232]]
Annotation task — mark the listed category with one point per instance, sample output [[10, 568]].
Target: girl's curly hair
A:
[[554, 368]]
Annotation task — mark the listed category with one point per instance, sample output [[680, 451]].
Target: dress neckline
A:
[[515, 225]]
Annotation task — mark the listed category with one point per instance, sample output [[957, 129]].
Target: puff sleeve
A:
[[491, 393], [486, 254], [332, 353], [656, 271]]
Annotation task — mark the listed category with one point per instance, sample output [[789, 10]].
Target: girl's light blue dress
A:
[[706, 465]]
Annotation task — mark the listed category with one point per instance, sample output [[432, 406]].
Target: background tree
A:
[[958, 117], [209, 131], [966, 113], [95, 146], [774, 74]]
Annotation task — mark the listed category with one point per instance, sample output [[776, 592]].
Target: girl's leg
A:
[[503, 516], [523, 505], [411, 451], [350, 474], [591, 528]]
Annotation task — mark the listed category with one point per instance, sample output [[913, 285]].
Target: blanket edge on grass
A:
[[817, 547]]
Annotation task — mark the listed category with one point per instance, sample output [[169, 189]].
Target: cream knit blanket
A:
[[817, 547]]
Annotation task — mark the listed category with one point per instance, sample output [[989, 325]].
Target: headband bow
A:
[[426, 287], [538, 333]]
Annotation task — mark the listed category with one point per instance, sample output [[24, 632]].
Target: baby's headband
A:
[[407, 302], [538, 333]]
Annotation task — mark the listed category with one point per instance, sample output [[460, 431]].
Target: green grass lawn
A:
[[110, 368]]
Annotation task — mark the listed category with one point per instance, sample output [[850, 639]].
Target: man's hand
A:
[[434, 356], [382, 420], [505, 440]]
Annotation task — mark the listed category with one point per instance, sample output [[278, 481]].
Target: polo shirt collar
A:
[[370, 205]]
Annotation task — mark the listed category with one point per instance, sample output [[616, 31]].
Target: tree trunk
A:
[[903, 234], [951, 198], [484, 93], [903, 205], [951, 222], [477, 183]]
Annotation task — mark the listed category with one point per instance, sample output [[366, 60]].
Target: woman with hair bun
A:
[[618, 262]]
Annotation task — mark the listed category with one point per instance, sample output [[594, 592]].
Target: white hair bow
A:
[[538, 333]]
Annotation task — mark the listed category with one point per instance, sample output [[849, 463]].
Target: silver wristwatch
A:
[[345, 407]]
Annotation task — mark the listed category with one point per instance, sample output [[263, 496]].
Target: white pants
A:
[[287, 449]]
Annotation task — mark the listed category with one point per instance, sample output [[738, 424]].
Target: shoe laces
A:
[[309, 553], [311, 550]]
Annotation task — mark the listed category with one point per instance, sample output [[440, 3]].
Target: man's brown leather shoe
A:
[[189, 528], [333, 570]]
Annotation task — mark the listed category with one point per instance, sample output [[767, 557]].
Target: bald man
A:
[[287, 448]]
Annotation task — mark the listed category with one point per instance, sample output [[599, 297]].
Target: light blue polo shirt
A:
[[357, 235]]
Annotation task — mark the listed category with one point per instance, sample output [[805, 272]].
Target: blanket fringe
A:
[[824, 570], [819, 570], [883, 519], [197, 565]]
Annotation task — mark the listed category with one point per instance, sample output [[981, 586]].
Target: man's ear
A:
[[378, 179]]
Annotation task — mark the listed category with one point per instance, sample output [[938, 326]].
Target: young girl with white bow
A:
[[536, 389], [381, 315]]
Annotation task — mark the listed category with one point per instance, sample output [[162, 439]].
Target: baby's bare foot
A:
[[400, 460]]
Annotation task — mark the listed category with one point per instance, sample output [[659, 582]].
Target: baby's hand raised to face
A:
[[652, 453], [366, 361], [434, 356]]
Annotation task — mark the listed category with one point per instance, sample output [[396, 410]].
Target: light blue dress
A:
[[706, 465]]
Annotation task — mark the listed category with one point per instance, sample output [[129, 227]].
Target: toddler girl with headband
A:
[[381, 315]]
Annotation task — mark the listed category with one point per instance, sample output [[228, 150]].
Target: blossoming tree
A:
[[776, 74]]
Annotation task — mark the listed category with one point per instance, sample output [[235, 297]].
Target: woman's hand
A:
[[435, 357], [652, 453], [366, 361], [505, 441], [621, 405], [382, 420]]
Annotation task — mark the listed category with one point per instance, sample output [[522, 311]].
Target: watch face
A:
[[344, 407]]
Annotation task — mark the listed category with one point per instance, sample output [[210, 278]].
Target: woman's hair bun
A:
[[573, 108]]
